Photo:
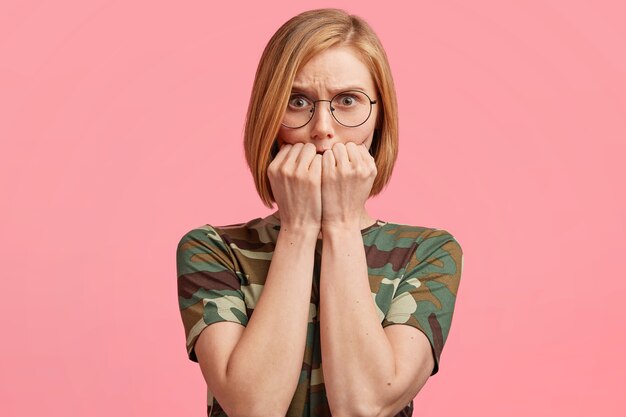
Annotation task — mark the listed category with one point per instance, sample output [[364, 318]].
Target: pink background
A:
[[121, 127]]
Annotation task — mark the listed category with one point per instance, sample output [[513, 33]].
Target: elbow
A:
[[359, 409], [254, 410], [354, 413], [256, 414]]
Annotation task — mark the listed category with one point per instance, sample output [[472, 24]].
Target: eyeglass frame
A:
[[332, 111]]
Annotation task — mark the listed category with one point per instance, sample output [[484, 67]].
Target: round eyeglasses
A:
[[349, 108]]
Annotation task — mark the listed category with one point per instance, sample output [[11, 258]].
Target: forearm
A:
[[357, 358], [267, 361]]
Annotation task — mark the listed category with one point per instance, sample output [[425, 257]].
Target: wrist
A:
[[340, 227], [300, 230]]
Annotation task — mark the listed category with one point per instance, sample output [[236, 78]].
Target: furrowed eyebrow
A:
[[336, 90]]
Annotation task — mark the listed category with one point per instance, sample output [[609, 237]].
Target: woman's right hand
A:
[[295, 175]]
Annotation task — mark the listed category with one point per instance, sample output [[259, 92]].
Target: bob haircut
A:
[[290, 48]]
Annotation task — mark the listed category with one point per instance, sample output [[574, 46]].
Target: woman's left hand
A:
[[348, 173]]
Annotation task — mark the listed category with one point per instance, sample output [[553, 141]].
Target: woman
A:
[[324, 279]]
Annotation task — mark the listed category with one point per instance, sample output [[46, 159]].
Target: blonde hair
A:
[[292, 46]]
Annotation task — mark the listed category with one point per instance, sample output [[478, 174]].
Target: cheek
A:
[[287, 136], [362, 133]]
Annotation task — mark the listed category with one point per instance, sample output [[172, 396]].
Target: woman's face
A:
[[331, 71]]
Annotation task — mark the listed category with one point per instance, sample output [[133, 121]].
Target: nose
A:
[[322, 124]]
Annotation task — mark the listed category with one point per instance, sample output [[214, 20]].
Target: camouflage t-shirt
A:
[[414, 275]]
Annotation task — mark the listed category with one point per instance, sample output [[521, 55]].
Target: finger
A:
[[354, 153], [316, 166], [365, 154], [370, 162], [328, 161], [282, 153], [306, 155], [341, 154], [294, 151]]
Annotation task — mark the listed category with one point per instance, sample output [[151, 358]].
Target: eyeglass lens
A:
[[349, 108]]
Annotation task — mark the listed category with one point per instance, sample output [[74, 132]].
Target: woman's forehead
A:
[[334, 70]]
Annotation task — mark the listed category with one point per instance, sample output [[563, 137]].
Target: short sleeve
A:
[[209, 288], [427, 291]]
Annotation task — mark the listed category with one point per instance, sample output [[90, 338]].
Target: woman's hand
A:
[[295, 176], [348, 173]]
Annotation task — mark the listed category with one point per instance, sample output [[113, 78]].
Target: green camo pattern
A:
[[414, 275]]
